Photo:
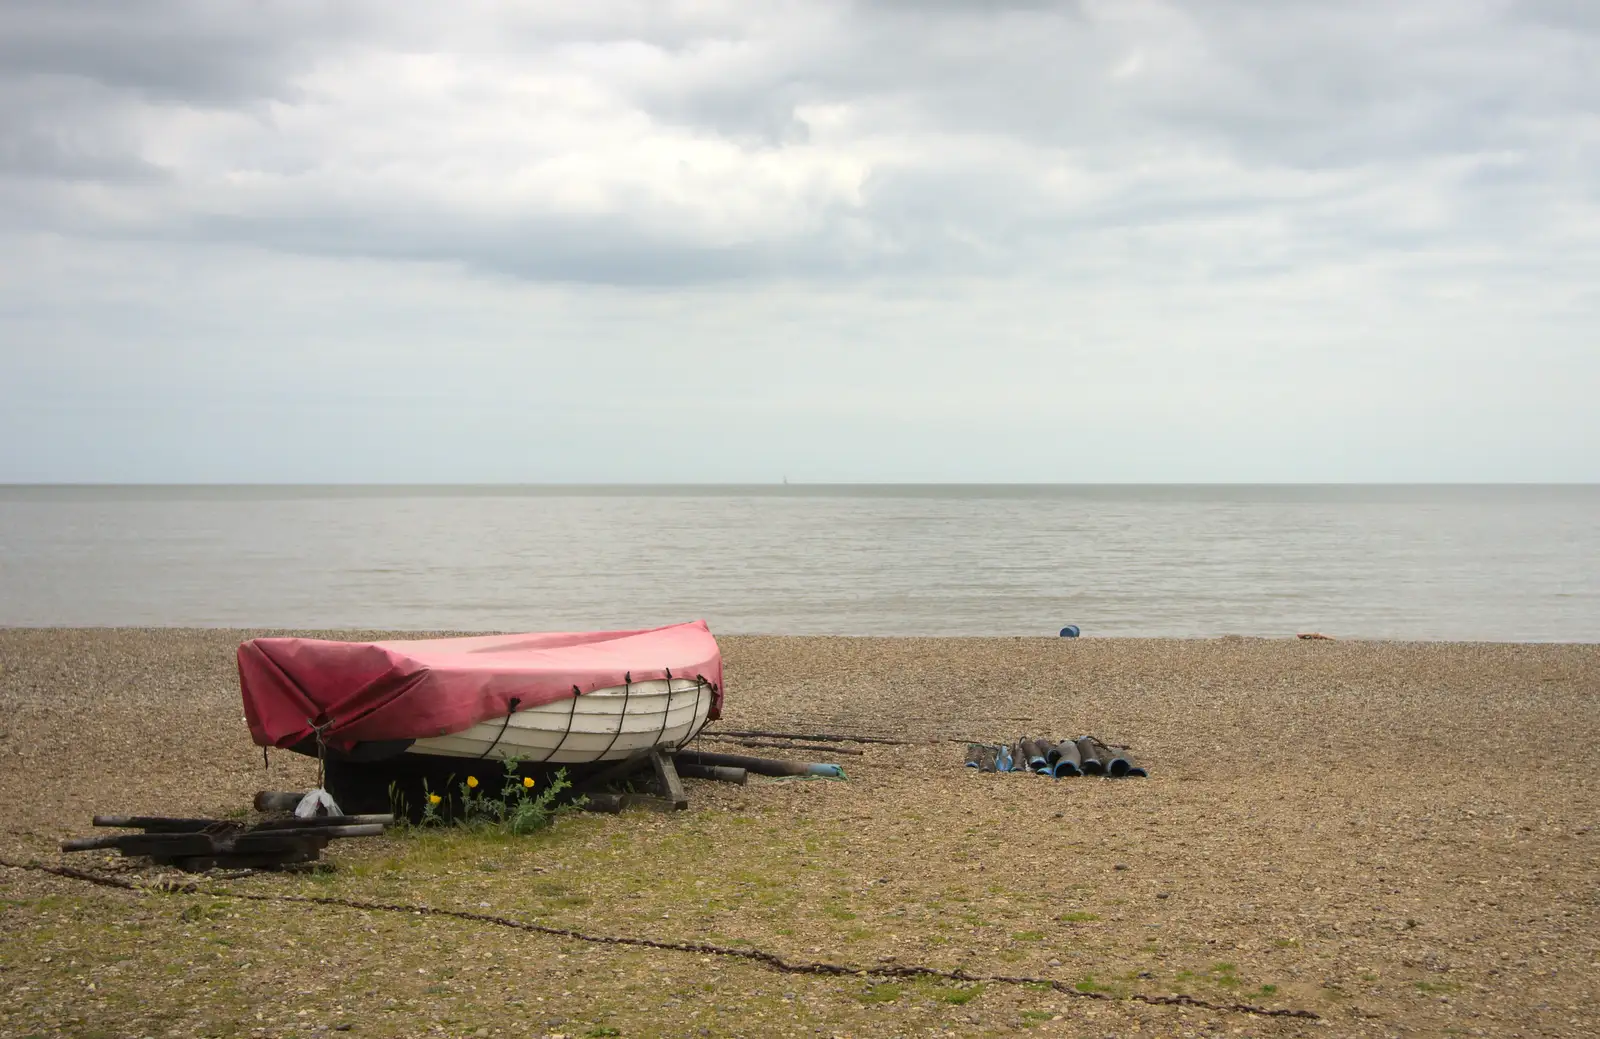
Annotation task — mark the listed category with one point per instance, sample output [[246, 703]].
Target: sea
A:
[[1501, 563]]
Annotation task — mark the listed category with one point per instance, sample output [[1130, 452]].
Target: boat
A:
[[605, 725], [541, 697]]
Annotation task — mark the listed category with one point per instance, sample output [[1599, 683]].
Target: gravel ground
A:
[[1395, 837]]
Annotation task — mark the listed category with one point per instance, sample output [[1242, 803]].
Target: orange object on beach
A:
[[1315, 635]]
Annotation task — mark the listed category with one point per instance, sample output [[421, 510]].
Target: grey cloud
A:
[[1565, 14], [187, 51], [69, 131], [1257, 88]]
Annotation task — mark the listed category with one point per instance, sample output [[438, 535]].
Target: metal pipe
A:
[[717, 772], [761, 766], [1065, 760], [92, 843], [1089, 756], [278, 800], [242, 840], [323, 822], [1033, 752], [1120, 763]]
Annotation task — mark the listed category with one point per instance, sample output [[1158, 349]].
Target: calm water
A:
[[1503, 563]]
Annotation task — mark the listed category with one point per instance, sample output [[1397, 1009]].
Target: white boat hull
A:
[[604, 725]]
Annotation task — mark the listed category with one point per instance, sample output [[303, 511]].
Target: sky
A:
[[1120, 241]]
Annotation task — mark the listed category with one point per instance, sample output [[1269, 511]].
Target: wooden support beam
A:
[[667, 779]]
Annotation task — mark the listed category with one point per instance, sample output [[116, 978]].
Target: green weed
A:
[[517, 810]]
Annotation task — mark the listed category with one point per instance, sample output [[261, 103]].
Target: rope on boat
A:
[[694, 733], [770, 960], [622, 719], [322, 751], [511, 708], [562, 742], [666, 708]]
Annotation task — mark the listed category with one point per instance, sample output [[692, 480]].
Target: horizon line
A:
[[162, 484]]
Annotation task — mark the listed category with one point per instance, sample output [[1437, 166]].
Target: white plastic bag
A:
[[316, 802]]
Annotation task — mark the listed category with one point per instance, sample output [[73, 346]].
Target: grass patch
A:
[[1088, 984], [958, 995], [1077, 918], [1028, 936], [1224, 974], [572, 901], [886, 992]]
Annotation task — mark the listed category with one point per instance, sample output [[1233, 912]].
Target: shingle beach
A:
[[1395, 838]]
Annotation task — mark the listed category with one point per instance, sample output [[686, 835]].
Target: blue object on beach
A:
[[1070, 631]]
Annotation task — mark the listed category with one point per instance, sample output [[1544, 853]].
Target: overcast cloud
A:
[[1210, 240]]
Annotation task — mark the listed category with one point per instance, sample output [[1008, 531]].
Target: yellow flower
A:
[[434, 799], [527, 781], [472, 782]]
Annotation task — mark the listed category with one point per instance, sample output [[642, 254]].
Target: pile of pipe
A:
[[1083, 756]]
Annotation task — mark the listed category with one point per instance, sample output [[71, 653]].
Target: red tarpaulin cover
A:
[[416, 688]]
